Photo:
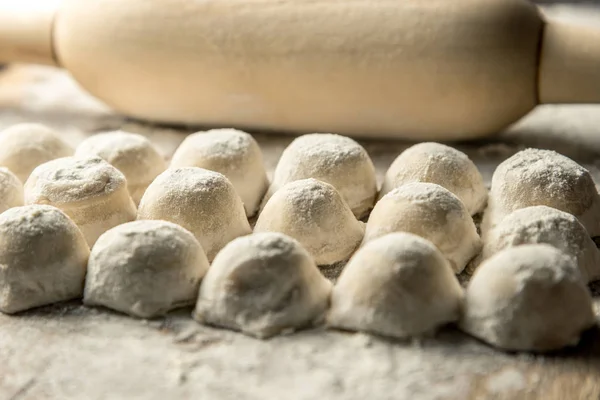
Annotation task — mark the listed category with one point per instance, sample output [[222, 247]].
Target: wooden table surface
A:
[[67, 351]]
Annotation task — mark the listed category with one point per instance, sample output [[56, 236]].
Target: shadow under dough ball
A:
[[263, 284], [145, 269], [528, 298], [89, 190], [398, 285], [313, 213], [232, 153], [43, 257], [202, 201]]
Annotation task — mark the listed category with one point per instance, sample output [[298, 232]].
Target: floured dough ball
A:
[[203, 202], [11, 190], [262, 285], [398, 285], [130, 153], [335, 159], [528, 298], [541, 224], [43, 257], [234, 154], [25, 146], [89, 190], [535, 177], [441, 164], [432, 212], [313, 213], [145, 269]]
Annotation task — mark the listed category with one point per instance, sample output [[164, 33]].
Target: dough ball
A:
[[43, 258], [441, 164], [262, 285], [25, 146], [398, 285], [130, 153], [432, 212], [145, 269], [335, 159], [541, 224], [89, 190], [313, 213], [203, 202], [234, 154], [11, 190], [535, 177], [528, 298]]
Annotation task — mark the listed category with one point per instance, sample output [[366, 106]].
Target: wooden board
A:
[[67, 351]]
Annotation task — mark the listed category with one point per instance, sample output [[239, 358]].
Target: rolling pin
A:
[[409, 69]]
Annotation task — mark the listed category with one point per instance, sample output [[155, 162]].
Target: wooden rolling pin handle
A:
[[26, 31], [569, 70]]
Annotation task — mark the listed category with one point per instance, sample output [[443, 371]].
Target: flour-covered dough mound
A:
[[202, 201], [25, 146], [441, 164], [398, 285], [528, 298], [313, 213], [11, 190], [130, 153], [535, 177], [234, 154], [43, 257], [541, 224], [145, 269], [262, 285], [432, 212], [89, 190], [337, 160]]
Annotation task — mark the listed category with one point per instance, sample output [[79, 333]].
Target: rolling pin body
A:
[[410, 69]]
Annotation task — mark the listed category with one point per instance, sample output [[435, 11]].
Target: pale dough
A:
[[43, 257], [263, 285], [315, 214], [432, 212], [334, 159], [528, 298], [89, 190], [441, 164], [202, 201], [231, 152], [145, 269], [541, 224], [535, 177], [132, 154], [11, 190], [398, 285], [25, 146]]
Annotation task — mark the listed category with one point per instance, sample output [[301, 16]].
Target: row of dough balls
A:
[[430, 190], [321, 185], [524, 298], [309, 205]]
